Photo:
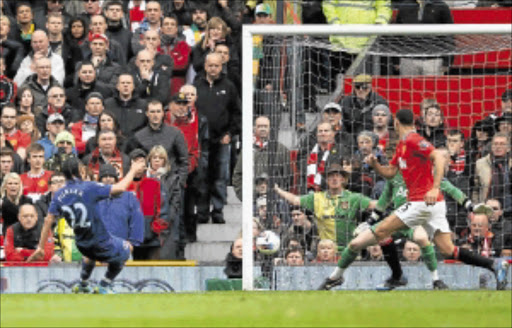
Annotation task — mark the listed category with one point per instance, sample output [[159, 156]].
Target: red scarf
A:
[[259, 144], [459, 163], [116, 161], [316, 170]]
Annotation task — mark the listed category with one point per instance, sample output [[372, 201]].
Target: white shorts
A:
[[431, 218]]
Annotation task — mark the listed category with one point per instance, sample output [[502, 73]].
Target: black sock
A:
[[86, 271], [391, 257], [113, 270], [467, 257]]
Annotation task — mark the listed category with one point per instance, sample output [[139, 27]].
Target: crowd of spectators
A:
[[112, 82]]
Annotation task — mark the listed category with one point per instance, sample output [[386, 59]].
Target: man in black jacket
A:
[[158, 133], [217, 99], [357, 107], [86, 84], [115, 30], [127, 107]]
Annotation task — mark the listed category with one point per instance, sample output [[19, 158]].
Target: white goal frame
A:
[[314, 30]]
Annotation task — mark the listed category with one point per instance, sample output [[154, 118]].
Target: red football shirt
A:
[[35, 186], [412, 158], [18, 139]]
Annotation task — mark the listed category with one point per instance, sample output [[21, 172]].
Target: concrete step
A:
[[208, 252], [232, 199], [218, 232]]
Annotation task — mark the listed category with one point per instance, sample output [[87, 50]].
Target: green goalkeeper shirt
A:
[[336, 216], [395, 191]]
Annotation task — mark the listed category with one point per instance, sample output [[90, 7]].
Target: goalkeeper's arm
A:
[[288, 196]]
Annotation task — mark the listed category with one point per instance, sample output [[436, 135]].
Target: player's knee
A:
[[380, 233], [422, 241], [356, 244]]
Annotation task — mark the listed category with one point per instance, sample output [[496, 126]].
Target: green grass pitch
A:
[[262, 309]]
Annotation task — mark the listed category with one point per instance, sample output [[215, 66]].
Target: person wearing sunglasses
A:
[[358, 106]]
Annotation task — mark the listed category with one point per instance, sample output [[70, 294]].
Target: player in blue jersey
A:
[[76, 202]]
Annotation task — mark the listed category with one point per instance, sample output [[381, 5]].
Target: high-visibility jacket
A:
[[338, 12]]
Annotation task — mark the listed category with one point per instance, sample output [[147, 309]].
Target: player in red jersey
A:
[[422, 167]]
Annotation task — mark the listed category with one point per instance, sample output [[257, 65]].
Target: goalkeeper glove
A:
[[375, 217], [468, 205]]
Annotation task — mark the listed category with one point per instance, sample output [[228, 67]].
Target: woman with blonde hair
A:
[[172, 238], [11, 193], [217, 31]]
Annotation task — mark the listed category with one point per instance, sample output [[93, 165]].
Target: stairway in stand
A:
[[214, 240]]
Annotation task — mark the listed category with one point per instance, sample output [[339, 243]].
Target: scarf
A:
[[259, 144], [116, 161], [458, 163], [315, 170]]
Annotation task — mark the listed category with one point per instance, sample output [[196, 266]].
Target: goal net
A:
[[355, 78]]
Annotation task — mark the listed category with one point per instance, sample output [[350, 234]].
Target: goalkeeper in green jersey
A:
[[395, 194]]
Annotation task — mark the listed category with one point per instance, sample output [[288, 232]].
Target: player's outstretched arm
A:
[[386, 171], [119, 187], [39, 252], [288, 196]]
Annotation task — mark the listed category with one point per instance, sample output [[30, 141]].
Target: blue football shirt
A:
[[76, 202]]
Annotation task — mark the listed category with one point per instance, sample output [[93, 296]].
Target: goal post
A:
[[295, 89]]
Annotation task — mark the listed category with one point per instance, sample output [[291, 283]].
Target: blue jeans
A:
[[218, 175]]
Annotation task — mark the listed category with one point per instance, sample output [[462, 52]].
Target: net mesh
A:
[[452, 83]]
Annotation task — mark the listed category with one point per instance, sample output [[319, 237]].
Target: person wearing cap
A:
[[98, 28], [54, 125], [107, 153], [85, 129], [65, 144], [492, 177], [263, 14], [358, 106], [40, 44], [85, 84], [148, 192], [56, 104], [184, 116], [120, 213], [381, 117], [336, 210], [150, 83], [99, 55], [333, 114]]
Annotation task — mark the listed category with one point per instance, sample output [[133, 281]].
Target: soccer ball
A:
[[268, 242]]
